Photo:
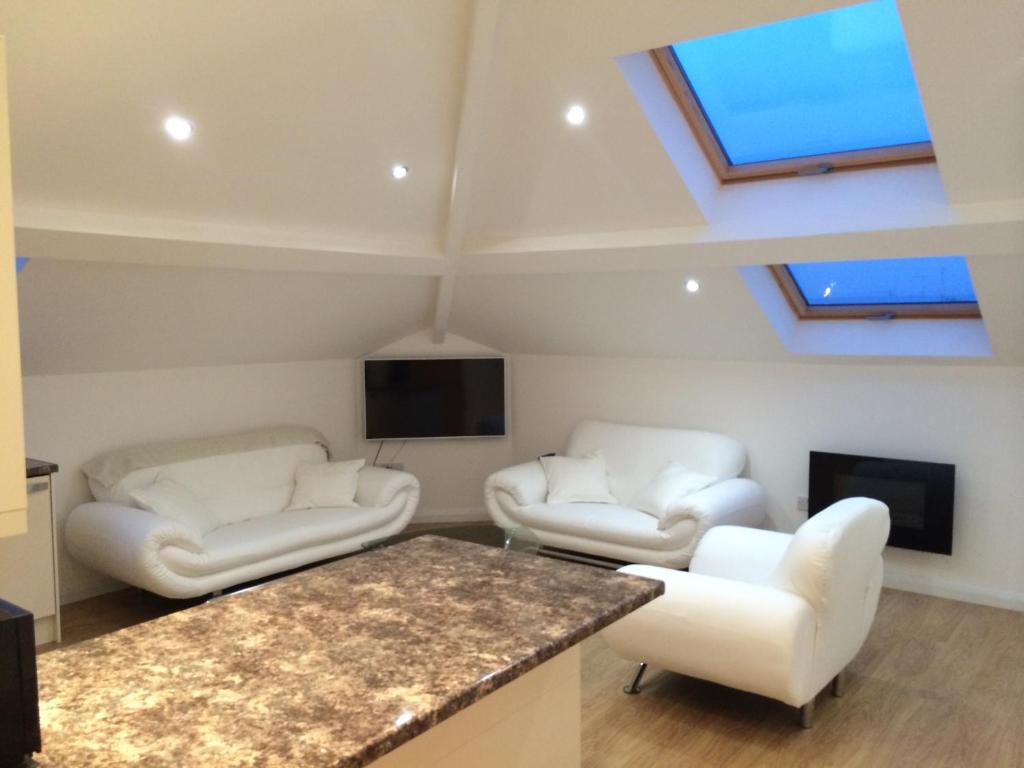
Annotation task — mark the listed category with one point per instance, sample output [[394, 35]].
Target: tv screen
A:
[[439, 397]]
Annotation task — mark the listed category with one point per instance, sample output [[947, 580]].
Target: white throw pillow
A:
[[664, 497], [571, 480], [174, 501], [326, 484]]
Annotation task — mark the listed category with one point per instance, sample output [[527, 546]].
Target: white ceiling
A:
[[300, 110], [569, 241]]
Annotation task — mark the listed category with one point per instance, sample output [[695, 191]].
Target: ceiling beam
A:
[[975, 231], [45, 233], [49, 244], [478, 63]]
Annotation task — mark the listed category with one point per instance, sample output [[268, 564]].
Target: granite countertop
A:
[[335, 666], [39, 468]]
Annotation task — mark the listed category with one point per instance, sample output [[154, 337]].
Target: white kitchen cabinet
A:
[[28, 563]]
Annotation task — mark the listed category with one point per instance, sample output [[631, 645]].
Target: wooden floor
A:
[[939, 683]]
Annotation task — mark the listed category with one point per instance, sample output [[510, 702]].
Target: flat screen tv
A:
[[919, 495], [424, 398]]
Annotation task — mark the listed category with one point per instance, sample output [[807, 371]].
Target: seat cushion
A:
[[261, 538], [606, 522]]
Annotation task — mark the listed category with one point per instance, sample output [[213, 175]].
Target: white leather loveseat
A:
[[245, 482], [516, 497]]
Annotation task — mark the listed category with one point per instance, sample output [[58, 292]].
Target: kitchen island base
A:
[[533, 722]]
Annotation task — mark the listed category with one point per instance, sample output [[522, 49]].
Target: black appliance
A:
[[434, 397], [919, 495], [19, 694]]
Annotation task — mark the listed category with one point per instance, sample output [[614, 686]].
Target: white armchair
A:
[[770, 613], [516, 496]]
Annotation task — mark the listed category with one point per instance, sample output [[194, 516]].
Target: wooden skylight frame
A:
[[686, 99], [959, 310]]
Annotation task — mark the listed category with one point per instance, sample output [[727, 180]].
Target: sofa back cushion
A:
[[636, 454], [232, 486]]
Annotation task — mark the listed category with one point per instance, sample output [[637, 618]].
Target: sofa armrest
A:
[[745, 636], [733, 552], [526, 483], [378, 487], [513, 487], [737, 501], [125, 542]]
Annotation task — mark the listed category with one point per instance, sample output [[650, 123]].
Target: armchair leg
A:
[[807, 714], [839, 684], [634, 685]]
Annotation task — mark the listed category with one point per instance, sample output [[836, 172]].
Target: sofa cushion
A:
[[605, 522], [583, 479], [234, 486], [326, 484], [174, 501], [636, 454], [251, 541]]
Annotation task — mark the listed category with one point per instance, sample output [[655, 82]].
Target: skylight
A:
[[817, 92], [921, 287]]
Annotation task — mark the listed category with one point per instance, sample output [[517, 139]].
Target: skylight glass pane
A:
[[932, 280], [830, 82]]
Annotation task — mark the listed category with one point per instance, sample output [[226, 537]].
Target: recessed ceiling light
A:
[[178, 128], [692, 286], [399, 171], [576, 115]]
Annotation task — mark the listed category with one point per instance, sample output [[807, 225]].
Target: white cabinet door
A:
[[28, 577], [26, 562]]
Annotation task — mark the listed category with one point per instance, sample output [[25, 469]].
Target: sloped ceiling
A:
[[82, 317], [644, 314], [277, 233]]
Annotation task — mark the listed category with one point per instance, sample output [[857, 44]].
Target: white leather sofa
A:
[[516, 497], [246, 481], [770, 613]]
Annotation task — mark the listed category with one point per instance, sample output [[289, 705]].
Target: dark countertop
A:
[[38, 467], [335, 666]]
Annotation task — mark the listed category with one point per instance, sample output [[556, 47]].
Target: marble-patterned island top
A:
[[335, 666]]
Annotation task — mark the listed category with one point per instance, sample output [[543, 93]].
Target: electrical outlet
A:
[[801, 503], [394, 465]]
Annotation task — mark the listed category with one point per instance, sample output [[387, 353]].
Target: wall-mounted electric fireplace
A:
[[919, 495]]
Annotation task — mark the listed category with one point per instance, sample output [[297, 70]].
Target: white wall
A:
[[71, 418], [970, 416], [452, 472]]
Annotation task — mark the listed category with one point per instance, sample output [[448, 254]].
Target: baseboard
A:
[[968, 593], [451, 515]]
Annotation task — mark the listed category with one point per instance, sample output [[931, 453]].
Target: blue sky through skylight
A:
[[830, 82], [930, 280]]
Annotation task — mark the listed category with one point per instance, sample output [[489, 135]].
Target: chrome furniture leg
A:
[[839, 684], [807, 714], [634, 686]]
